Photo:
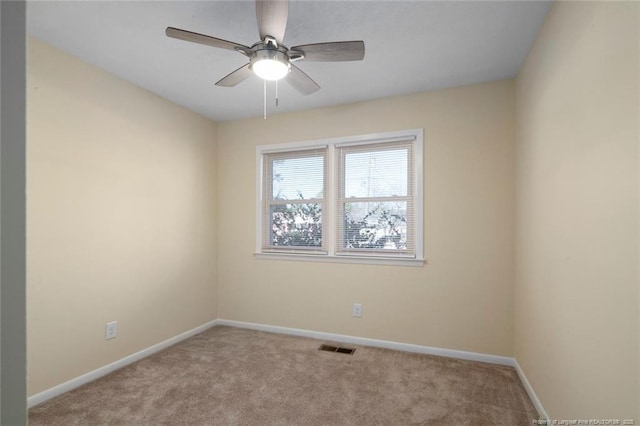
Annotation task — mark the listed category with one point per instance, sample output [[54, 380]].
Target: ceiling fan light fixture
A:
[[270, 69], [270, 64]]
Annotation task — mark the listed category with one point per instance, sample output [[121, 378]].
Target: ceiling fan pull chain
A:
[[276, 93], [265, 97]]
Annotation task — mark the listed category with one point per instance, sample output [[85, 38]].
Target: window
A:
[[374, 202], [293, 190], [356, 199]]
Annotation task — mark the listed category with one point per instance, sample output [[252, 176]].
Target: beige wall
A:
[[576, 294], [461, 300], [120, 218]]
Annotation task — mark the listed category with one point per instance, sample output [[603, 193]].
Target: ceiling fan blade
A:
[[205, 39], [301, 81], [333, 51], [272, 18], [236, 77]]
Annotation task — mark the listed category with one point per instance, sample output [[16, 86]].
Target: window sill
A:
[[378, 260]]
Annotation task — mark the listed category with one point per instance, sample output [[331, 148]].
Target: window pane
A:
[[375, 225], [298, 178], [296, 225], [380, 173]]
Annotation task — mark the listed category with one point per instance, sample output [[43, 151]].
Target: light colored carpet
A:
[[230, 376]]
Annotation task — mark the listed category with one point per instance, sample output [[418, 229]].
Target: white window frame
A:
[[328, 216]]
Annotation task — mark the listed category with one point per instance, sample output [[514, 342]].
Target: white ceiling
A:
[[411, 46]]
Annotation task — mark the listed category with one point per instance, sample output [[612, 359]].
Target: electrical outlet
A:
[[111, 330], [357, 310]]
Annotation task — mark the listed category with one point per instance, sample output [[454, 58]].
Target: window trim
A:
[[329, 229]]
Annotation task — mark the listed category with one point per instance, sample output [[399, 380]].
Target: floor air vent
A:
[[329, 348]]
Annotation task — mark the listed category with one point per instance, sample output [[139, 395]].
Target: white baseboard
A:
[[102, 371], [532, 394], [406, 347]]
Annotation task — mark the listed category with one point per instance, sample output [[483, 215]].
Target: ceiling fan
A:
[[269, 59]]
